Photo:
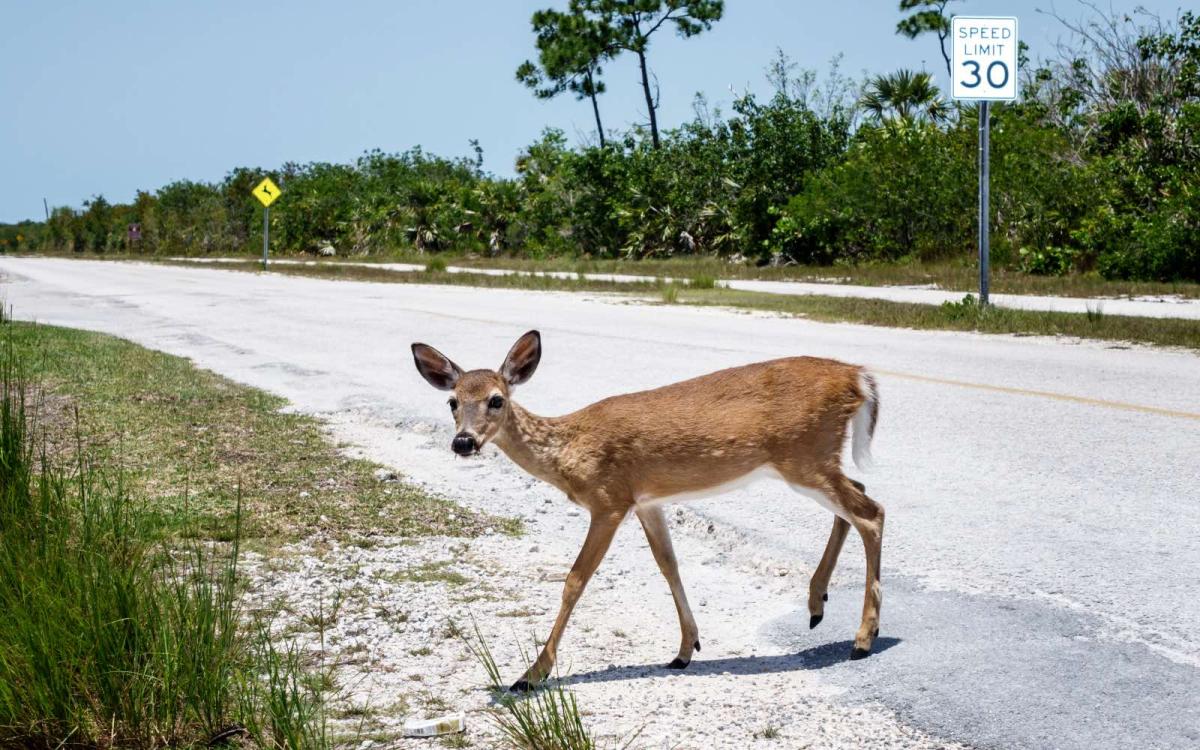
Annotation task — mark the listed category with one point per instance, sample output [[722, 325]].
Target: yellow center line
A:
[[1043, 394]]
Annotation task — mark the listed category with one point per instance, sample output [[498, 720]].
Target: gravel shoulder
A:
[[388, 618]]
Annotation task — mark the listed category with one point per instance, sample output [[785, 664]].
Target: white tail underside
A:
[[863, 422]]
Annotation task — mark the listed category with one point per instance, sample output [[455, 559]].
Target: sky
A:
[[108, 98]]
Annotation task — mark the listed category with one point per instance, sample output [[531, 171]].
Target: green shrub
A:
[[1161, 247], [903, 190], [1052, 261]]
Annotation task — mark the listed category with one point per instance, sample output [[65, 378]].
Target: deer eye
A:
[[453, 404], [495, 402]]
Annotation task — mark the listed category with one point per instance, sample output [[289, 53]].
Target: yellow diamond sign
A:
[[266, 192]]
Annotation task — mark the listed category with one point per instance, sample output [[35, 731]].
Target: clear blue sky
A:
[[115, 96]]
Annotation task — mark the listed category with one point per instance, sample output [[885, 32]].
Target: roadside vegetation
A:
[[186, 438], [109, 637], [953, 274], [965, 315], [546, 719], [1096, 171], [130, 484]]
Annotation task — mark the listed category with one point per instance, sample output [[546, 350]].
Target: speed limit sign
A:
[[985, 58], [984, 70]]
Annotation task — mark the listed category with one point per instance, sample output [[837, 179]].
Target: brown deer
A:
[[787, 417]]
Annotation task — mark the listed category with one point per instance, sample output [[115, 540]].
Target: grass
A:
[[547, 719], [966, 315], [960, 316], [111, 638], [958, 274], [184, 436], [429, 572], [127, 490], [367, 272]]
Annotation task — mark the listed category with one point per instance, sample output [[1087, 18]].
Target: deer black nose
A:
[[463, 444]]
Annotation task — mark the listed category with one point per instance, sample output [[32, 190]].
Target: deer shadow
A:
[[817, 657]]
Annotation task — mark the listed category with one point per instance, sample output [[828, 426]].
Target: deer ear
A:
[[522, 359], [435, 367]]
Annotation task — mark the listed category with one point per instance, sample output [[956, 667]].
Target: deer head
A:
[[479, 398]]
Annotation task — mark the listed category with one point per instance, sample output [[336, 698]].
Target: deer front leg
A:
[[600, 534], [659, 537]]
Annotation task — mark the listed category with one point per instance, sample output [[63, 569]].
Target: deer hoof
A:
[[521, 686], [678, 663], [696, 645], [814, 621], [859, 653], [824, 597]]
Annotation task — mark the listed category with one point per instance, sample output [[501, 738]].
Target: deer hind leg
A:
[[848, 501], [819, 585], [866, 516], [659, 537], [600, 535]]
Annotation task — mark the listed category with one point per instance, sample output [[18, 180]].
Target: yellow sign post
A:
[[267, 193]]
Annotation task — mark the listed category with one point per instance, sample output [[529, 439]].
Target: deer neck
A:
[[535, 444]]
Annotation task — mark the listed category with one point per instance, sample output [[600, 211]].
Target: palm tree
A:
[[905, 96]]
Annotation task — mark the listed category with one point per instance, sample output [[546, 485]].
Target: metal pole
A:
[[266, 230], [984, 197]]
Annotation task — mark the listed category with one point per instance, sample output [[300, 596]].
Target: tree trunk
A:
[[649, 99], [595, 107], [942, 37]]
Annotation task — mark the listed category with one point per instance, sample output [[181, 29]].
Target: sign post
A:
[[267, 193], [985, 189], [984, 70]]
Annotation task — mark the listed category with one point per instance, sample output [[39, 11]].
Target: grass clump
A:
[[111, 638], [435, 265], [702, 281], [547, 719], [429, 572]]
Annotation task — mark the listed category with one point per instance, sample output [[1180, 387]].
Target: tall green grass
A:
[[547, 719], [111, 634]]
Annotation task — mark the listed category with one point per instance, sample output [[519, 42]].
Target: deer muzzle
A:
[[464, 444]]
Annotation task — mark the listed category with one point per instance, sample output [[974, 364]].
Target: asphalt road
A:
[[1043, 530]]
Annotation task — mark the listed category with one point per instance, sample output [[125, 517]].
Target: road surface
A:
[[1043, 530]]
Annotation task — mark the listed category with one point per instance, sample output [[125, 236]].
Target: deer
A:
[[786, 418]]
